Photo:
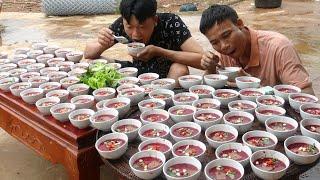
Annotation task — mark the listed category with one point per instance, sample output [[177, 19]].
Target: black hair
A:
[[141, 9], [216, 14]]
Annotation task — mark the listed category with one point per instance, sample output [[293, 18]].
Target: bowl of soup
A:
[[157, 144], [82, 65], [147, 78], [122, 87], [285, 90], [162, 94], [104, 119], [130, 127], [302, 149], [134, 94], [121, 104], [65, 66], [135, 48], [155, 115], [4, 75], [74, 56], [310, 127], [50, 49], [270, 100], [50, 86], [36, 67], [61, 111], [181, 113], [45, 71], [17, 88], [25, 62], [104, 93], [192, 148], [150, 104], [44, 105], [57, 76], [185, 130], [182, 167], [83, 101], [281, 126], [234, 151], [32, 95], [216, 81], [69, 81], [33, 54], [78, 89], [269, 164], [39, 45], [62, 94], [62, 52], [165, 83], [148, 88], [240, 120], [112, 145], [147, 164], [203, 91], [117, 66], [310, 110], [128, 72], [55, 61], [242, 105], [219, 134], [5, 83], [244, 82], [7, 67], [17, 72], [44, 58], [188, 81], [26, 76], [259, 140], [153, 130], [207, 117], [184, 98], [223, 168], [38, 80], [206, 103], [231, 72], [265, 112], [225, 96], [129, 80], [81, 118], [21, 51], [298, 99], [250, 94]]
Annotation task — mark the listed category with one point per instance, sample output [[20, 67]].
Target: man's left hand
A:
[[148, 53]]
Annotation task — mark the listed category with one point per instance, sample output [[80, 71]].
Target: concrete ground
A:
[[299, 20]]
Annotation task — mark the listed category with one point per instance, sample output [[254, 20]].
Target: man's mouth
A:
[[232, 52]]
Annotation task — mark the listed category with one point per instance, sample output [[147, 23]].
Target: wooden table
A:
[[122, 169], [55, 141]]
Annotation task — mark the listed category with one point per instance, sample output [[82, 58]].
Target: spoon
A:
[[218, 65], [121, 39]]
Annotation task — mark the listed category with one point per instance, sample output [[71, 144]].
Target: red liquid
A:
[[184, 131], [116, 105], [38, 80], [148, 89], [188, 150], [226, 95], [270, 102], [207, 117], [58, 95], [81, 117], [127, 72], [162, 83], [224, 172], [182, 170], [182, 111], [184, 98], [280, 126], [155, 117], [304, 99], [269, 164], [82, 101], [201, 91], [303, 149], [79, 89], [269, 112], [49, 103], [206, 105], [151, 105], [147, 163], [32, 94], [126, 128], [154, 133], [63, 110], [234, 154], [314, 111], [245, 80], [102, 118], [50, 87], [111, 145], [20, 87], [131, 93], [146, 78], [70, 81], [157, 147], [221, 136], [127, 81], [103, 93], [190, 79], [313, 128], [161, 96], [242, 106], [287, 90], [260, 141], [238, 119]]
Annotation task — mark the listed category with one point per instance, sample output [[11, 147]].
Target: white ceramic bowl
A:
[[65, 66], [35, 67], [284, 134], [235, 146], [59, 93], [295, 104], [5, 83], [220, 127], [188, 81], [125, 86], [4, 61], [80, 124], [132, 135], [181, 160], [17, 72], [223, 162], [216, 81], [25, 62], [305, 110], [129, 80], [50, 49], [279, 100], [203, 91], [242, 127], [62, 52], [26, 76], [74, 56], [69, 81], [78, 89], [155, 95], [4, 75], [7, 67], [145, 120], [128, 72], [285, 94], [231, 72], [104, 93], [18, 57], [3, 55], [259, 133], [135, 47], [57, 76], [269, 154], [38, 80], [265, 112], [55, 61], [225, 100], [44, 58], [82, 65], [308, 132], [298, 158], [32, 98], [206, 123], [45, 71], [45, 108], [104, 125], [251, 94], [78, 101], [21, 50], [77, 72], [147, 78], [190, 142], [99, 105], [147, 174], [33, 54], [50, 86], [136, 97], [155, 127], [117, 153], [39, 45], [180, 116], [239, 105], [207, 103], [166, 142], [95, 61], [123, 110], [117, 66], [193, 125], [150, 104], [17, 88], [184, 98], [165, 83], [244, 82]]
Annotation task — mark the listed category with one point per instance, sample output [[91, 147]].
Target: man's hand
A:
[[148, 53], [105, 37], [209, 61]]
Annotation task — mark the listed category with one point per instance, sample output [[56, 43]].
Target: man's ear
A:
[[240, 23]]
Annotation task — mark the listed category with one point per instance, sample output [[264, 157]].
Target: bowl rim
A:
[[122, 135], [285, 144]]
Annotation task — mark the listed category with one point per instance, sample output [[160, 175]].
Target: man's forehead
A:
[[219, 28]]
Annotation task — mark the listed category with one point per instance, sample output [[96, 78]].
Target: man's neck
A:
[[244, 60]]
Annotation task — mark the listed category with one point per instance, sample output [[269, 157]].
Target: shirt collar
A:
[[254, 54]]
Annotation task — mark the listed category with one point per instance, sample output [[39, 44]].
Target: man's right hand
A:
[[209, 61], [105, 37]]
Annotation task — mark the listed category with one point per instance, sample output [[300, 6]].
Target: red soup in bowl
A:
[[161, 96], [242, 106], [238, 119], [111, 145], [234, 154], [82, 101], [313, 128], [287, 90], [205, 105], [281, 126], [207, 117], [182, 111], [303, 149], [269, 112], [156, 146], [151, 104], [185, 98], [313, 111], [63, 110], [116, 105], [269, 102], [304, 99], [224, 172], [155, 117], [47, 103], [188, 150], [126, 128], [81, 117], [147, 163], [104, 117], [201, 91], [182, 170], [154, 133], [226, 95], [221, 136], [260, 141], [184, 131], [269, 164]]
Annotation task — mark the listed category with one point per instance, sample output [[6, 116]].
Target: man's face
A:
[[140, 31], [227, 38]]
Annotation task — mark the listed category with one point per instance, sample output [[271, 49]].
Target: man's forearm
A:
[[93, 50], [308, 90]]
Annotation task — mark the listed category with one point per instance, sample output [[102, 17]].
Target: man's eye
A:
[[225, 35], [214, 42]]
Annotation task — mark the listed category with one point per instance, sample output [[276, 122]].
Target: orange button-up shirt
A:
[[273, 59]]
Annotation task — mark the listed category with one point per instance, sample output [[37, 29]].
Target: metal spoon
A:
[[121, 39], [218, 65]]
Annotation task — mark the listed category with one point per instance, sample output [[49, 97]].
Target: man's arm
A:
[[308, 90]]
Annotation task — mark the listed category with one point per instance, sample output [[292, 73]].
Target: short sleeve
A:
[[178, 31], [290, 69], [117, 27]]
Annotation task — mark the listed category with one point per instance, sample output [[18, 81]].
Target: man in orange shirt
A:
[[267, 55]]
